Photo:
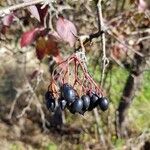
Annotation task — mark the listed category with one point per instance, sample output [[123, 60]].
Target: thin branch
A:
[[140, 32], [90, 38], [121, 42], [9, 9], [100, 131], [116, 7], [19, 93], [142, 39], [117, 61], [123, 4], [9, 2], [102, 29], [43, 119], [32, 90]]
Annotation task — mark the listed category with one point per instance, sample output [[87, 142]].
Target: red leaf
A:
[[7, 20], [46, 47], [66, 30], [51, 46], [40, 48], [28, 37], [33, 10], [40, 53]]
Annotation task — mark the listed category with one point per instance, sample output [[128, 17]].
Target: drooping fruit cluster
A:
[[69, 99], [73, 88]]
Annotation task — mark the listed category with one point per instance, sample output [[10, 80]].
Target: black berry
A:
[[68, 93], [93, 102], [103, 103], [63, 104], [77, 106], [50, 101], [86, 102], [48, 95]]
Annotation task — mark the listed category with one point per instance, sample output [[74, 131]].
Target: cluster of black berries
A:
[[75, 104]]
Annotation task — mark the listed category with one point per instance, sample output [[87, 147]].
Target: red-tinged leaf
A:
[[40, 54], [46, 47], [33, 10], [51, 46], [7, 20], [28, 37], [142, 6], [40, 48], [55, 36], [66, 30]]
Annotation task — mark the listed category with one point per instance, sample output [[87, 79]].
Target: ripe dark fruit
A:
[[63, 104], [71, 109], [93, 102], [86, 102], [50, 104], [50, 101], [68, 93], [48, 95], [91, 107], [94, 99], [103, 103], [77, 106]]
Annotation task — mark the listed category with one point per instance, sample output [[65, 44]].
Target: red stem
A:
[[77, 63]]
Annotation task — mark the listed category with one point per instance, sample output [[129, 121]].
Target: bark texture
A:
[[132, 85]]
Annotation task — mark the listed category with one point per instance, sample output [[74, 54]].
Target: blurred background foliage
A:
[[79, 132]]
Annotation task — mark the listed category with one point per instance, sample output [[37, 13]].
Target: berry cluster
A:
[[68, 98], [72, 87]]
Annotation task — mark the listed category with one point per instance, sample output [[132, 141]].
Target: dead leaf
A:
[[66, 30], [33, 10]]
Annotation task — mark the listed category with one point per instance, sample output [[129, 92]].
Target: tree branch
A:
[[9, 9], [102, 29], [90, 38], [132, 85], [105, 60]]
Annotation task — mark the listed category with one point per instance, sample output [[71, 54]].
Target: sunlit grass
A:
[[138, 112]]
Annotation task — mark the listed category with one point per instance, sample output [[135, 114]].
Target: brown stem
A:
[[91, 37], [123, 4]]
